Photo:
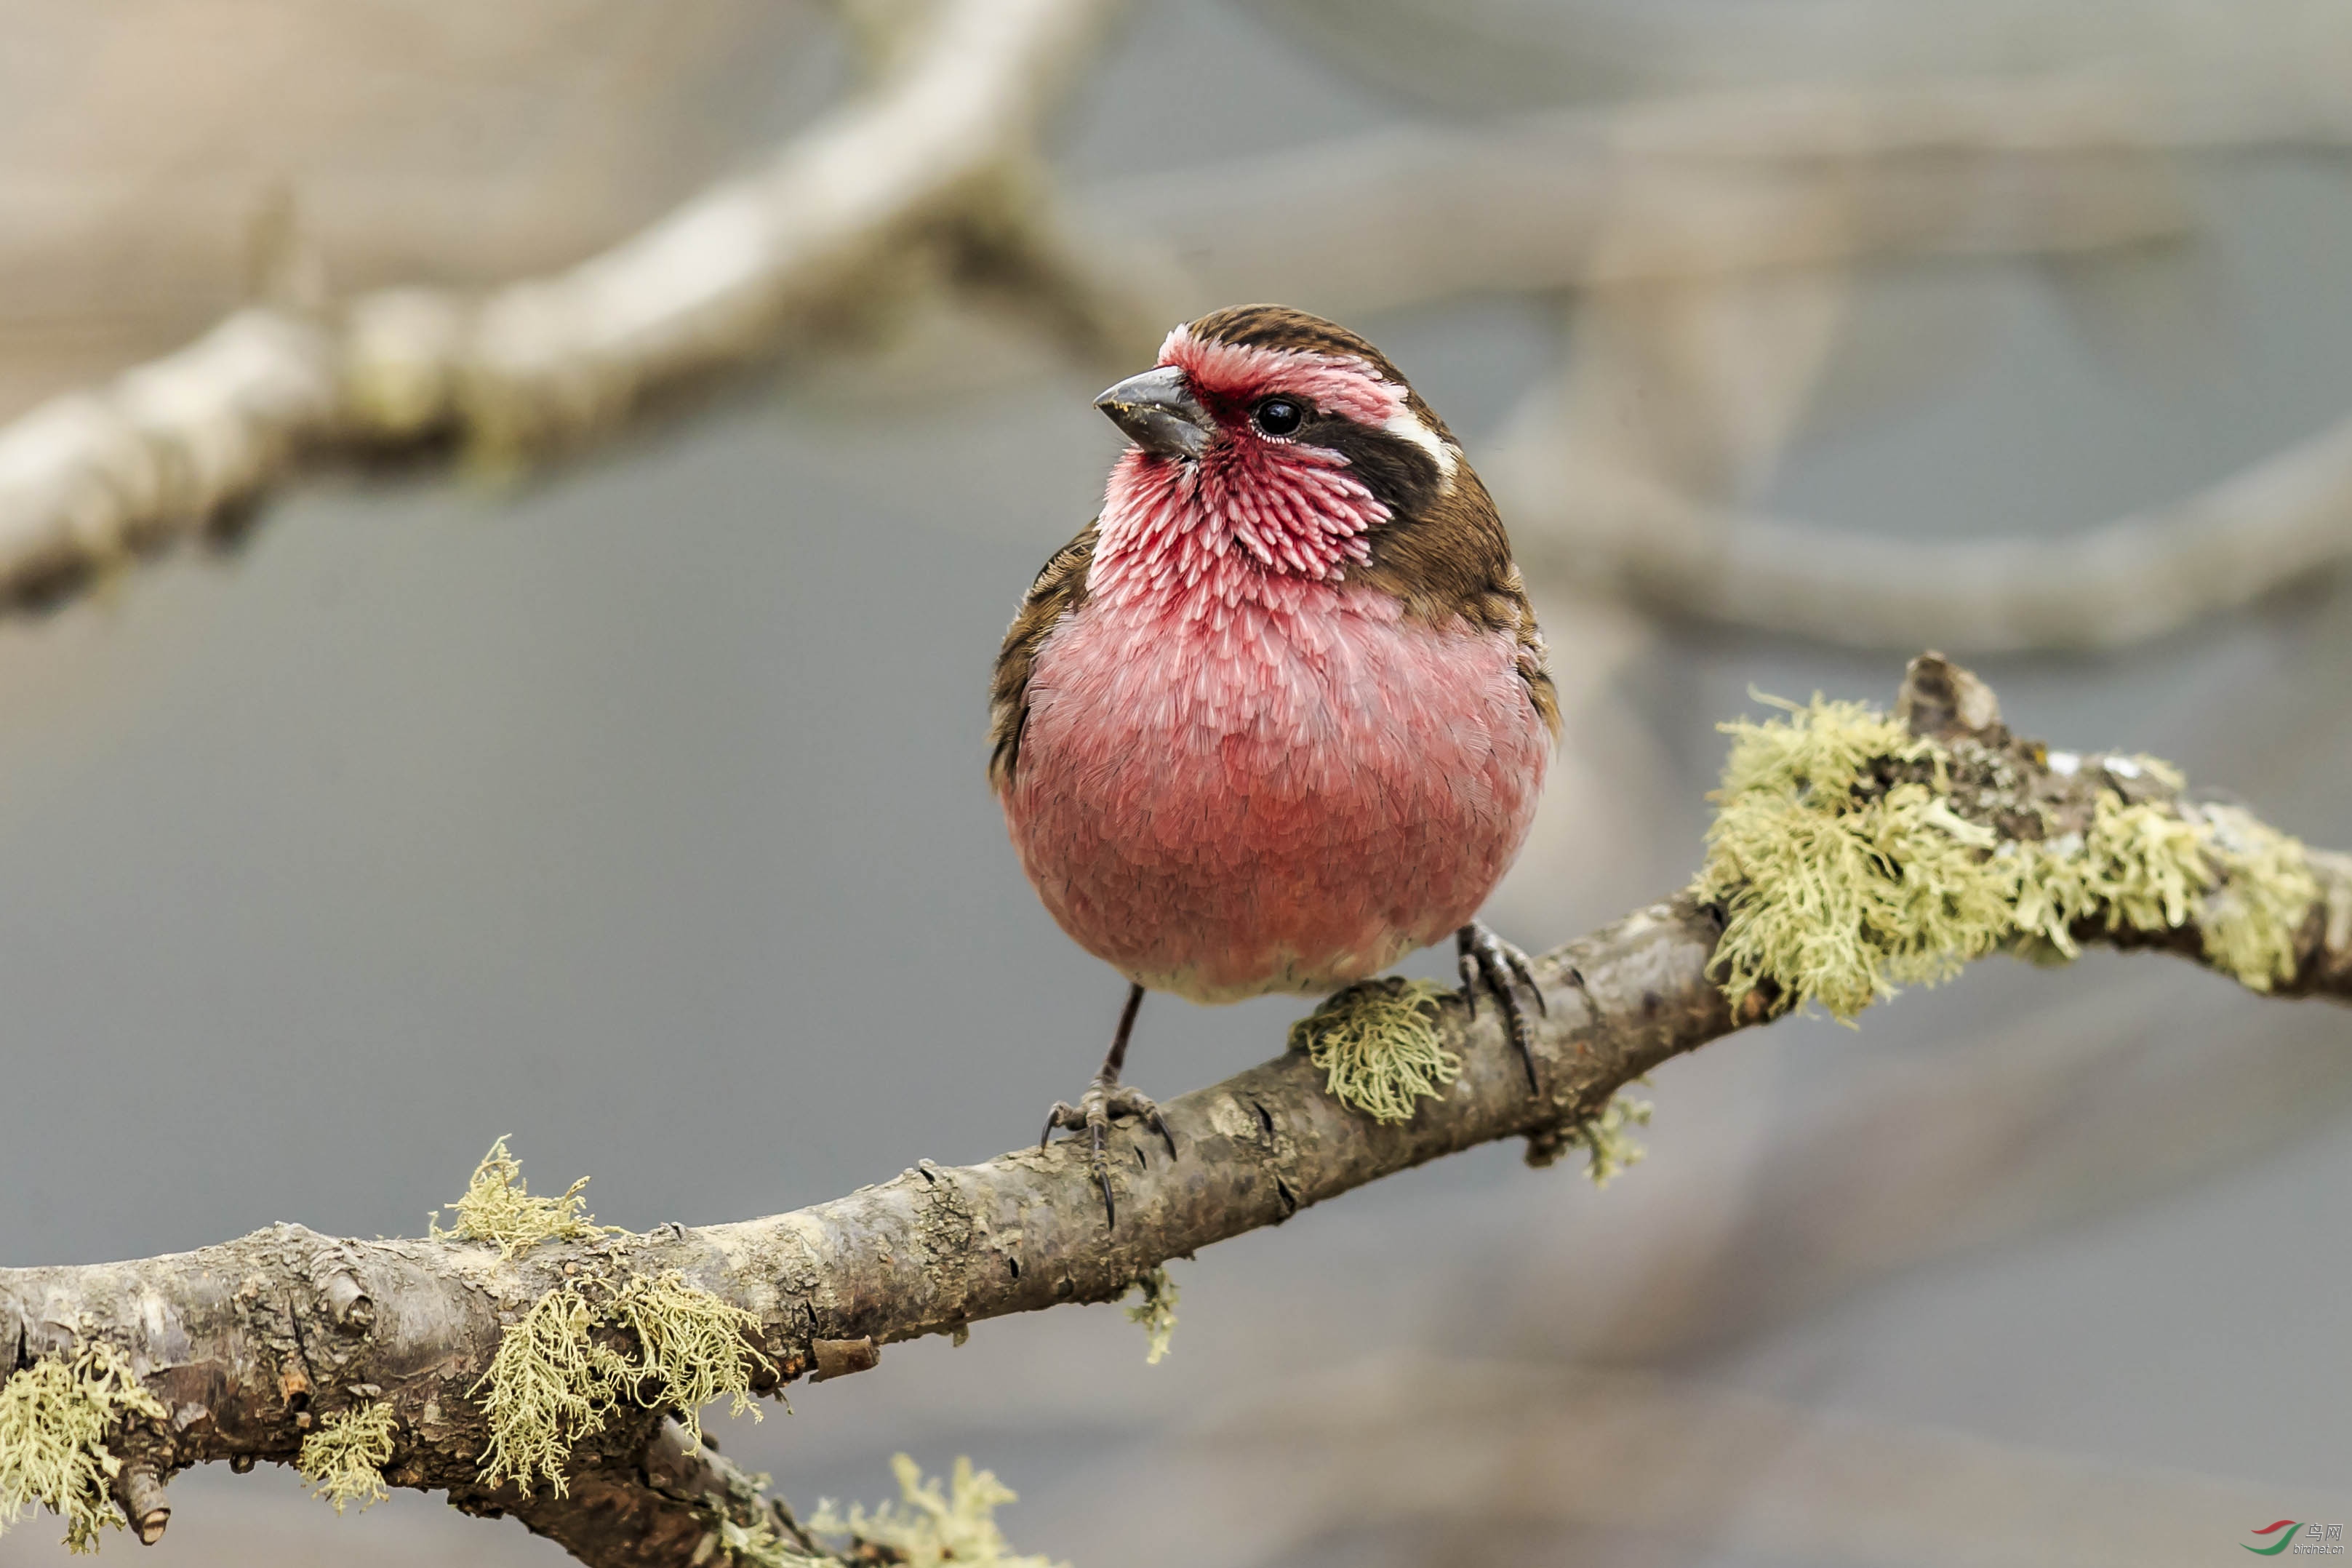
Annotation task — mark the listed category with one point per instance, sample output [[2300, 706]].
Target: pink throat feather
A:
[[1254, 513]]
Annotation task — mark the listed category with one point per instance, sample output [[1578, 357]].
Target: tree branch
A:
[[842, 213], [935, 164], [2130, 578], [657, 1512], [1676, 190], [252, 1344]]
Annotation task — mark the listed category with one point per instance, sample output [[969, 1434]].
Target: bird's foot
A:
[[1105, 1099], [1489, 964]]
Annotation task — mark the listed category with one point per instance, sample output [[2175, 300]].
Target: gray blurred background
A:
[[635, 810]]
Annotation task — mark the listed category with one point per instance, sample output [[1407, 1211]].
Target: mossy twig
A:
[[54, 1418], [1847, 861], [1838, 885]]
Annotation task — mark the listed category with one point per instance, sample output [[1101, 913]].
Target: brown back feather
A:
[[1060, 588]]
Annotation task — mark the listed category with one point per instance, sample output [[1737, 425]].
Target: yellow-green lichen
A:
[[1610, 1150], [759, 1544], [1836, 887], [1844, 869], [2250, 922], [1377, 1047], [53, 1420], [498, 1207], [929, 1527], [343, 1460], [2139, 867], [553, 1381], [1155, 1309], [695, 1348]]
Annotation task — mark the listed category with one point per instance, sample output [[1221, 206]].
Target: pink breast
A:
[[1282, 796]]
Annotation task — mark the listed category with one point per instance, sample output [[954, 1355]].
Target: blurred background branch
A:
[[1707, 243], [937, 146]]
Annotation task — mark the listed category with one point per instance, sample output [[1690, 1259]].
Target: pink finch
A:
[[1280, 715]]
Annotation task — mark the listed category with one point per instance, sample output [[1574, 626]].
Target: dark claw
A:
[[1102, 1174], [1488, 963], [1519, 1030], [1093, 1114], [1107, 1098], [1526, 977]]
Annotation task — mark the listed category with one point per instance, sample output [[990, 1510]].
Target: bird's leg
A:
[[1107, 1098], [1488, 962]]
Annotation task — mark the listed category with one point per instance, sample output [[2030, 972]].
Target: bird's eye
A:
[[1279, 416]]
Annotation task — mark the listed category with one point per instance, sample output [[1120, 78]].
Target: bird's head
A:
[[1271, 441]]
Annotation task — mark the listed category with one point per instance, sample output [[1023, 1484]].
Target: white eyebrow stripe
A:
[[1406, 425]]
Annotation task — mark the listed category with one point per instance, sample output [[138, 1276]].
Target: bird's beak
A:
[[1159, 413]]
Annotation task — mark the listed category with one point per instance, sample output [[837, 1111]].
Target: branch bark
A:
[[250, 1343]]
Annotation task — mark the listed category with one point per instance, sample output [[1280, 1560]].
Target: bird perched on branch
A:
[[1280, 715]]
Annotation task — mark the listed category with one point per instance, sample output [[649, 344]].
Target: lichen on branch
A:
[[56, 1417], [557, 1374], [1377, 1047], [1838, 879], [343, 1460], [1610, 1150], [2251, 920], [1850, 855], [1155, 1310], [929, 1527], [498, 1207]]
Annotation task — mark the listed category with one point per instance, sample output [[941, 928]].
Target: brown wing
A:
[[1060, 587], [1451, 557]]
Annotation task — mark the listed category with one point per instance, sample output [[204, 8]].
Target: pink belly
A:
[[1289, 801]]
